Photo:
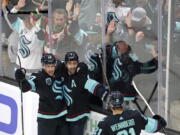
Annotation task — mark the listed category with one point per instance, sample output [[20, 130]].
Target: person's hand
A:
[[3, 39], [154, 52], [69, 5], [76, 11], [128, 19], [20, 74], [111, 27], [139, 36], [21, 4], [161, 120]]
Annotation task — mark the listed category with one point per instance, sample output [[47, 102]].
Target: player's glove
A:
[[161, 120], [20, 74]]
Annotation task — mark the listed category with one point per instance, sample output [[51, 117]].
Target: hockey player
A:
[[127, 122], [122, 66], [76, 91], [125, 67], [52, 106]]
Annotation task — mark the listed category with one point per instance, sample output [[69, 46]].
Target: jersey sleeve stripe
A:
[[91, 85], [151, 126], [33, 87]]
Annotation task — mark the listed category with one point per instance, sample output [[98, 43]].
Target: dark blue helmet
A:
[[71, 56], [116, 99], [48, 58]]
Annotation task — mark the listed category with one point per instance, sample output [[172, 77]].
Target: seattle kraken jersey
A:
[[29, 47], [130, 122], [51, 101], [77, 88], [124, 71]]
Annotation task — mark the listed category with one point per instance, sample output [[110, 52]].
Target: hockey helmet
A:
[[71, 56], [116, 99], [48, 58]]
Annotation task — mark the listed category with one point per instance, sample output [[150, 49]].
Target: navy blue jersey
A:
[[77, 88], [95, 63], [124, 71], [51, 100], [130, 122]]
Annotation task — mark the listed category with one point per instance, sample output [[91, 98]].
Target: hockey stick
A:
[[104, 74], [150, 109], [22, 108], [150, 98], [142, 97]]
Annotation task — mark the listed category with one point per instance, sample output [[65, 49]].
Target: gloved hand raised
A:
[[20, 74], [161, 120]]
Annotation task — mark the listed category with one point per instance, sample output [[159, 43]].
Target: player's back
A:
[[130, 122]]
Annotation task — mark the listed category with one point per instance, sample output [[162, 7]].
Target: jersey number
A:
[[125, 132]]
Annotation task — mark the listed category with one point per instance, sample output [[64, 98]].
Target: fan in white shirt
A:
[[30, 48]]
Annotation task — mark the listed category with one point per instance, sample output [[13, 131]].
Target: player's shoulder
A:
[[103, 122], [132, 112], [34, 75], [109, 119], [82, 70]]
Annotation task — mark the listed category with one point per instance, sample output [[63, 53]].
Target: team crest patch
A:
[[48, 81]]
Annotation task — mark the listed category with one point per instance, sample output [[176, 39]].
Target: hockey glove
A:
[[161, 120], [20, 74]]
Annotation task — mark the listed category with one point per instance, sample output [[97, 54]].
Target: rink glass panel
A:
[[174, 69]]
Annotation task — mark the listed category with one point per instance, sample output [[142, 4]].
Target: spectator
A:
[[136, 22], [141, 35], [117, 6], [58, 32], [30, 47], [64, 35], [41, 4], [24, 5]]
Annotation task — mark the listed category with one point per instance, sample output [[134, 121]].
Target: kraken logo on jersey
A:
[[48, 81], [66, 92], [117, 72], [57, 88], [24, 49], [92, 64]]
